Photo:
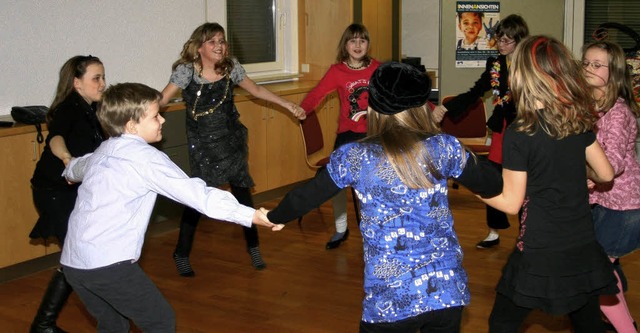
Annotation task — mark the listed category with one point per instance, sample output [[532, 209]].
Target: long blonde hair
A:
[[544, 71], [190, 55], [401, 136]]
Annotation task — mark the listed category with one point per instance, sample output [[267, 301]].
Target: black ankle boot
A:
[[54, 298]]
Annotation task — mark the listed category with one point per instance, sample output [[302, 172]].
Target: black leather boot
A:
[[54, 298]]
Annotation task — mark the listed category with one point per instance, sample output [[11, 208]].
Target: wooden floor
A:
[[305, 288]]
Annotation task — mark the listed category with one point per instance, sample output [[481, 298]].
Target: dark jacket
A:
[[458, 106]]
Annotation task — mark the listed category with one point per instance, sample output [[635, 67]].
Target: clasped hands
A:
[[297, 111], [260, 218]]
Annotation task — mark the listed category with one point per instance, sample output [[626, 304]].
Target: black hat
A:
[[395, 87]]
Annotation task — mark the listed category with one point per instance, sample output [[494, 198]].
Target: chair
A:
[[471, 129], [313, 142]]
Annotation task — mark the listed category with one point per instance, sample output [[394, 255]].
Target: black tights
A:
[[191, 217]]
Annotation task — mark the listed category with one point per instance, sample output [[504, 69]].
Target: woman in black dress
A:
[[73, 131]]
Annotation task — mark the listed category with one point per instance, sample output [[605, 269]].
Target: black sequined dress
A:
[[217, 140]]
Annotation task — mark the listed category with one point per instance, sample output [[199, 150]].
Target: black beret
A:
[[395, 87]]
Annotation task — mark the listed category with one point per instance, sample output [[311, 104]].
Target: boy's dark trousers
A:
[[119, 292]]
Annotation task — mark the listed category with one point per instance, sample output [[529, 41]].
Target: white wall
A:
[[421, 31], [137, 40]]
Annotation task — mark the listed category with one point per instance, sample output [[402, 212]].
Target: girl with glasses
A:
[[616, 206], [509, 32]]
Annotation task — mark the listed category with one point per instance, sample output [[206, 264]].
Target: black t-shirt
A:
[[556, 212]]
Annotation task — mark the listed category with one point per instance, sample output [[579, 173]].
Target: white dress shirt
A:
[[120, 183]]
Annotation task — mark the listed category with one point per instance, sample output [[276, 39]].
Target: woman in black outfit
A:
[[73, 131]]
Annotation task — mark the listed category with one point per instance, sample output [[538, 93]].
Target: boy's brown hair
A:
[[123, 102]]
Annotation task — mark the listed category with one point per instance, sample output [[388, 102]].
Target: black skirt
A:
[[557, 282]]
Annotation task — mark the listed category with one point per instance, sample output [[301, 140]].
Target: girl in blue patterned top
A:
[[413, 279]]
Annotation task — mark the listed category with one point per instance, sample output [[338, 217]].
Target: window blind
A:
[[251, 30], [617, 11]]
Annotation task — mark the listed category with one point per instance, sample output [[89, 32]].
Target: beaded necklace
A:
[[214, 108], [354, 67], [495, 84]]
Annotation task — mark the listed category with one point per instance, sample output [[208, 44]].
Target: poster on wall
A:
[[475, 26]]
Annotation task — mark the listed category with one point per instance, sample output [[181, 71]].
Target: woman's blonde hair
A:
[[123, 102], [190, 55], [544, 72], [619, 82], [401, 136]]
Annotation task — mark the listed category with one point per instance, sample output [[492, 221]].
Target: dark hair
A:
[[202, 34], [355, 30], [123, 102], [514, 27], [74, 68]]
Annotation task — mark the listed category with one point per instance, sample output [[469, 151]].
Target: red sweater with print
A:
[[352, 86]]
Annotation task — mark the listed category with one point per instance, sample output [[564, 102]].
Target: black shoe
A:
[[333, 244], [485, 244], [52, 302]]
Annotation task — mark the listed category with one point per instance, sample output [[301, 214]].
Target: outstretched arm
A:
[[304, 198], [263, 93], [481, 178], [59, 149], [513, 191], [168, 92]]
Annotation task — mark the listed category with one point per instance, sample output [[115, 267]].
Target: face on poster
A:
[[475, 32]]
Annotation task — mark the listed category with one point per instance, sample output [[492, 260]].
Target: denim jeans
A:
[[618, 231]]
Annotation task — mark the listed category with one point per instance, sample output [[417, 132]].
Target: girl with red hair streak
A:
[[557, 265]]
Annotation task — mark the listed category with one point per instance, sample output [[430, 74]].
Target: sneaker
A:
[[485, 244]]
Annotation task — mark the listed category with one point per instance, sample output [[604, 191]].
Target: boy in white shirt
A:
[[120, 183]]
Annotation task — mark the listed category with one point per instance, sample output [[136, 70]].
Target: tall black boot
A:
[[54, 298]]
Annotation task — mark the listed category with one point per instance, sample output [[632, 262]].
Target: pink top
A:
[[616, 132], [352, 86]]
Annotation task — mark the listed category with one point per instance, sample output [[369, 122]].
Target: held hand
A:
[[491, 28], [260, 218], [297, 111], [590, 184], [438, 113]]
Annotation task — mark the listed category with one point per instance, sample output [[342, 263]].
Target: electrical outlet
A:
[[304, 68]]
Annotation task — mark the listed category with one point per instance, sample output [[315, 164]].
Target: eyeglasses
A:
[[592, 64], [505, 41]]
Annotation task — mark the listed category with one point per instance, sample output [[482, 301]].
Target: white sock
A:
[[493, 235]]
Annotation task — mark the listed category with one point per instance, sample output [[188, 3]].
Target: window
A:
[[622, 12], [263, 36]]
